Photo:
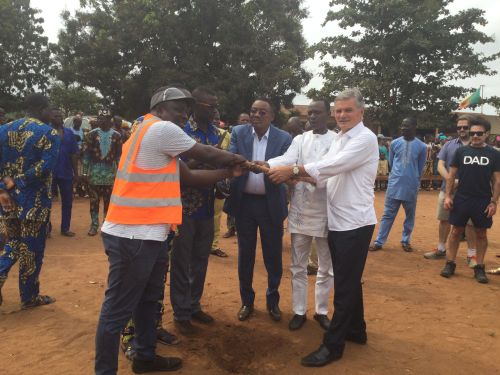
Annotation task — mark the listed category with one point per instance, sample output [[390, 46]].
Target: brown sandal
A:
[[38, 301]]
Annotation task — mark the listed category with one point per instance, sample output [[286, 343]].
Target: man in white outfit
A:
[[307, 217]]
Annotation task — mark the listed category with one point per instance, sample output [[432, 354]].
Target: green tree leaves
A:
[[403, 54], [126, 49], [25, 59]]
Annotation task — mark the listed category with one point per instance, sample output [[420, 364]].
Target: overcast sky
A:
[[313, 32]]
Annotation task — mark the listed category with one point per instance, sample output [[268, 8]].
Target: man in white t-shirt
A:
[[136, 252]]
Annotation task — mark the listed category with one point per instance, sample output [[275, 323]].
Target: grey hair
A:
[[352, 93]]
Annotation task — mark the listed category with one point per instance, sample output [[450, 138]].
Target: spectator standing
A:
[[382, 170], [101, 153], [66, 170], [221, 192], [28, 154], [407, 157], [476, 166]]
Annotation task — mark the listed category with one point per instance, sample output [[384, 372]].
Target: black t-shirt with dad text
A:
[[476, 166]]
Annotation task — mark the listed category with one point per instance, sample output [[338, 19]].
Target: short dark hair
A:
[[325, 102], [202, 91], [273, 104], [480, 121], [411, 120], [36, 102]]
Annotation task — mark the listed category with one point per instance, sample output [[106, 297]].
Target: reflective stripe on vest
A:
[[145, 196]]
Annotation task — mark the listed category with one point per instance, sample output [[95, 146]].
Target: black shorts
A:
[[470, 208]]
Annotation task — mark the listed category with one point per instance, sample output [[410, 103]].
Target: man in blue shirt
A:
[[407, 156], [66, 168], [28, 153], [192, 245]]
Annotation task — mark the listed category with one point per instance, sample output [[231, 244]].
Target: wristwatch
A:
[[295, 170]]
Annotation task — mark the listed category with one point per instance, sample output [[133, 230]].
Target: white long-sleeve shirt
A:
[[308, 210], [349, 170]]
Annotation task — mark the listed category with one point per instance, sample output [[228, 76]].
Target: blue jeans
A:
[[391, 208], [135, 283]]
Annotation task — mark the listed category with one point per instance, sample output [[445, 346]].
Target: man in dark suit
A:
[[257, 204]]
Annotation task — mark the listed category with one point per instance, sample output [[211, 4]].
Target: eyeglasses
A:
[[476, 134], [465, 127], [261, 112]]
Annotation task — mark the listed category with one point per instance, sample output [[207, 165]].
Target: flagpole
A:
[[482, 89]]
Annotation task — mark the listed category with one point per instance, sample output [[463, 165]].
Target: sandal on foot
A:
[[92, 232], [38, 301]]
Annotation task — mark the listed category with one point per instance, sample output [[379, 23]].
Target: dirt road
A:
[[418, 322]]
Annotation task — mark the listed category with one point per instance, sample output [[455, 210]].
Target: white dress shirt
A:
[[308, 210], [255, 183], [349, 170]]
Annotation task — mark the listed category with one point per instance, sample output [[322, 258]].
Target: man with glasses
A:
[[259, 205], [407, 157], [192, 245], [445, 157], [475, 165]]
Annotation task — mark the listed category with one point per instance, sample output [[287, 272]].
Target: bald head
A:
[[294, 126]]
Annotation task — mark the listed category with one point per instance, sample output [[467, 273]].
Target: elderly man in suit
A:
[[257, 204]]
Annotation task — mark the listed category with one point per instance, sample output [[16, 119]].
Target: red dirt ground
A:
[[418, 322]]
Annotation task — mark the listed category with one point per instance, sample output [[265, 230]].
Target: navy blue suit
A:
[[265, 213]]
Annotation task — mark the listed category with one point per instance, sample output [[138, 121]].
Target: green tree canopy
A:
[[25, 58], [74, 98], [239, 48], [403, 55]]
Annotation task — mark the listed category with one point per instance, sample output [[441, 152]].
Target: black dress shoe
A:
[[357, 338], [323, 321], [296, 322], [185, 327], [245, 312], [202, 317], [320, 357], [157, 364], [275, 313]]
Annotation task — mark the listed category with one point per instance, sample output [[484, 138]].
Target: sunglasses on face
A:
[[465, 127], [476, 134]]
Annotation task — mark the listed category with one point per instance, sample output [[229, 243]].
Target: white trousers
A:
[[301, 247]]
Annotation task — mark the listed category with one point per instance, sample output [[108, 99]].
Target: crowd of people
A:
[[165, 180]]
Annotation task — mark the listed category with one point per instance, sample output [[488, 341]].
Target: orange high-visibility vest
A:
[[145, 196]]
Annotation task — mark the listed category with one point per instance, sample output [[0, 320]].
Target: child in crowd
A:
[[383, 170]]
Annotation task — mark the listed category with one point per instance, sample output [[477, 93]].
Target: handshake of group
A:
[[277, 175]]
